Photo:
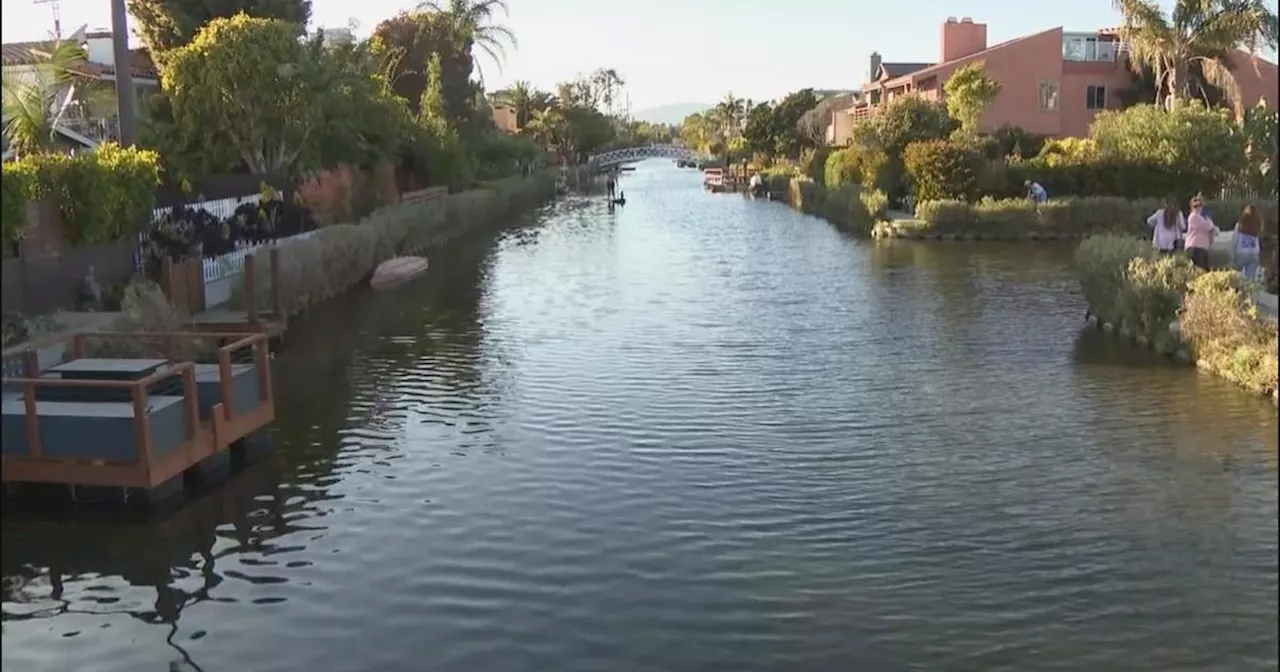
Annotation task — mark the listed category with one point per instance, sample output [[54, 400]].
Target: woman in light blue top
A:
[[1246, 249]]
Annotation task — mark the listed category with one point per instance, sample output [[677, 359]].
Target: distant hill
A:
[[669, 114]]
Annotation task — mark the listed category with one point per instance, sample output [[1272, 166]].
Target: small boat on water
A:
[[397, 271]]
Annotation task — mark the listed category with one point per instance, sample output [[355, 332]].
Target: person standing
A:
[[1246, 251], [1168, 225], [1200, 234]]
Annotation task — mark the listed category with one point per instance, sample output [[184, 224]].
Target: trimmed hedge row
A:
[[1168, 303], [848, 206], [1020, 216], [341, 256], [104, 195]]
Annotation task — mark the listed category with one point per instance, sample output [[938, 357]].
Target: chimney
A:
[[875, 66], [962, 38]]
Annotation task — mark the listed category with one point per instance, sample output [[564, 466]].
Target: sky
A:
[[682, 51]]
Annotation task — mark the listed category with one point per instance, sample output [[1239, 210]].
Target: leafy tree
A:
[[240, 92], [472, 21], [1190, 137], [411, 39], [943, 169], [363, 120], [524, 100], [968, 93], [1200, 33], [788, 139], [887, 133], [760, 130], [168, 24]]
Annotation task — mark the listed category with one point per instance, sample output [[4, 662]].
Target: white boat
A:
[[397, 271]]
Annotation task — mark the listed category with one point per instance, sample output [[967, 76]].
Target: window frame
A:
[[1091, 93], [1056, 97]]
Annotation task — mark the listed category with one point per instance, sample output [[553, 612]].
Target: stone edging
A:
[[1181, 355], [891, 232]]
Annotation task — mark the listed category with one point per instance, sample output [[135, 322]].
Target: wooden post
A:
[[277, 292], [251, 288], [224, 381], [141, 424]]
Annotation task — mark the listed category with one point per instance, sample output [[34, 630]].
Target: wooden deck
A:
[[134, 422]]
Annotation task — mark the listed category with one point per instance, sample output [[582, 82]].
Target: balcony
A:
[[100, 129]]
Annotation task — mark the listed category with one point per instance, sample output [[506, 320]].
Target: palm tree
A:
[[1203, 33], [524, 100], [473, 21], [35, 103]]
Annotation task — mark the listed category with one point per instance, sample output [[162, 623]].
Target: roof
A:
[[895, 70], [19, 53], [932, 69]]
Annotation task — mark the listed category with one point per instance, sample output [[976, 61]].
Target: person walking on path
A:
[[1200, 234], [1246, 251], [1168, 225]]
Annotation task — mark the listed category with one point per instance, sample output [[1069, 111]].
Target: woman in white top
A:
[[1167, 224]]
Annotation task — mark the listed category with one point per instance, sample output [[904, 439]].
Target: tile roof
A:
[[19, 53]]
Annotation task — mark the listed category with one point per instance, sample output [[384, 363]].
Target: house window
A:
[[1073, 49], [1096, 98], [1048, 96]]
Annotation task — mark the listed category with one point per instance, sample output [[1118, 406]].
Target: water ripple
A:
[[699, 432]]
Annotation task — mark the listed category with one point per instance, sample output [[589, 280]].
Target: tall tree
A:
[[412, 39], [524, 100], [240, 93], [169, 24], [473, 21], [968, 92], [1203, 33]]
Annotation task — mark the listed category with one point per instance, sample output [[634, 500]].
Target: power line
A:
[[57, 16]]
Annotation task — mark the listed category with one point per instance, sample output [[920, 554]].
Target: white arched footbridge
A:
[[632, 154]]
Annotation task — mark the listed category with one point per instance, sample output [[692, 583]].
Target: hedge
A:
[[103, 195], [940, 169], [849, 207], [341, 256], [1097, 177], [1077, 216], [1170, 304]]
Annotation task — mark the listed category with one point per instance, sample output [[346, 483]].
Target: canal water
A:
[[697, 433]]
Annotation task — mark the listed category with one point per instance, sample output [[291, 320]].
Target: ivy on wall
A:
[[103, 195]]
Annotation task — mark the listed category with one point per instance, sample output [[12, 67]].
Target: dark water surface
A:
[[701, 433]]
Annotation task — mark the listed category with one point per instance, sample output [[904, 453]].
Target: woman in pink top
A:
[[1200, 234]]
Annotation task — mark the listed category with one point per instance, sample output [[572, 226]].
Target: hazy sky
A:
[[675, 51]]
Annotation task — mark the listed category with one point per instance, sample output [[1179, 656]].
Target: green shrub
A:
[[1102, 265], [876, 203], [103, 195], [942, 169], [1013, 140], [339, 257], [16, 185], [1018, 216], [806, 195], [1222, 326], [813, 163], [1101, 177], [779, 185], [1189, 137], [844, 208], [1153, 293], [841, 168]]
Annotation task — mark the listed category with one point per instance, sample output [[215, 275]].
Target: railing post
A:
[[277, 292], [141, 426], [251, 288]]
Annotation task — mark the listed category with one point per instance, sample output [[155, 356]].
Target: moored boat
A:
[[397, 271]]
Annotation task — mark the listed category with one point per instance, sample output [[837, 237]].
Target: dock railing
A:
[[203, 437]]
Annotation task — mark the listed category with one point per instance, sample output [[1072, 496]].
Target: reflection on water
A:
[[699, 432]]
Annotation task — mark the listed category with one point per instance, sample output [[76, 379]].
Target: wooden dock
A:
[[133, 418]]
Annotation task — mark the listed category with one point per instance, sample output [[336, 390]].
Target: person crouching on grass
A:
[[1200, 234]]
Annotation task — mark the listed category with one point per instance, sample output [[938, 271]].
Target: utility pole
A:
[[57, 16], [125, 93]]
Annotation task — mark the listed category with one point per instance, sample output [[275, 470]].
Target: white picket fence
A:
[[222, 273]]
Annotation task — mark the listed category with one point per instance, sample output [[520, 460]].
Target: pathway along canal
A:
[[699, 433]]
